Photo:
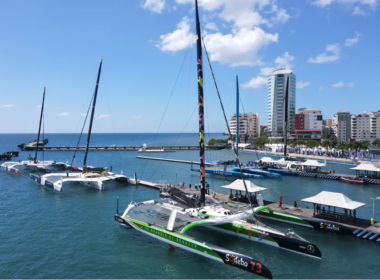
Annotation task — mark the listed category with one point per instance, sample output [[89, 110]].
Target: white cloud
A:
[[103, 116], [239, 48], [332, 54], [64, 114], [302, 85], [212, 26], [352, 41], [359, 11], [155, 6], [350, 85], [321, 88], [256, 82], [7, 106], [179, 39], [284, 61], [136, 117], [324, 3], [267, 71], [39, 106], [337, 85]]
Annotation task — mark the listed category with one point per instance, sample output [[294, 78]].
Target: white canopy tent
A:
[[313, 163], [366, 167], [238, 185], [334, 199]]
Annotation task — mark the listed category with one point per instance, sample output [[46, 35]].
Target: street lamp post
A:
[[373, 203]]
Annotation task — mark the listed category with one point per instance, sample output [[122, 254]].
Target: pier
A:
[[175, 160], [358, 227], [122, 148]]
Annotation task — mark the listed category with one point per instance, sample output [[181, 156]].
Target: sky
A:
[[149, 76]]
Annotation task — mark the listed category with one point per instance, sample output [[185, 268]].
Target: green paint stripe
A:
[[267, 212], [237, 228], [174, 238]]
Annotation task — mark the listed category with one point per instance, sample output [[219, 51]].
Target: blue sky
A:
[[331, 45]]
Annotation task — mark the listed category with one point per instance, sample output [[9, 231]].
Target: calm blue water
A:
[[45, 234]]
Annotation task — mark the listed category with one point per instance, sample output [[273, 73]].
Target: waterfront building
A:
[[308, 124], [341, 125], [365, 126], [276, 102], [249, 126]]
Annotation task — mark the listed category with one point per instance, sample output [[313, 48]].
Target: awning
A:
[[268, 160], [314, 163], [238, 185], [366, 167], [335, 200]]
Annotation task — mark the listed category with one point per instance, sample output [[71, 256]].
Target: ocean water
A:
[[72, 234]]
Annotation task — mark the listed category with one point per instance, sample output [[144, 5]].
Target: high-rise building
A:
[[249, 125], [341, 125], [308, 124], [276, 102], [365, 126]]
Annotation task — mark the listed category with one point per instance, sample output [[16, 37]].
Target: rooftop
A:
[[238, 185], [335, 200], [282, 71]]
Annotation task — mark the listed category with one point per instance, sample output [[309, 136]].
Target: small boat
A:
[[353, 180], [145, 149], [33, 145]]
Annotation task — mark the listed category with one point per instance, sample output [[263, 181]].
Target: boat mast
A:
[[39, 128], [92, 117], [237, 117], [200, 106], [286, 116]]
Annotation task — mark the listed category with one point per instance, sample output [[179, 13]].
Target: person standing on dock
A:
[[295, 204]]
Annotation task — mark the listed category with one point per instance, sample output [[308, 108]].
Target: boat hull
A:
[[201, 248]]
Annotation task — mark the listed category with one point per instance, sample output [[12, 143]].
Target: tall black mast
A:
[[92, 116], [39, 127], [286, 115], [200, 106]]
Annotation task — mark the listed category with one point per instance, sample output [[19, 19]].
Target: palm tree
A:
[[342, 146], [326, 144], [376, 143], [365, 144]]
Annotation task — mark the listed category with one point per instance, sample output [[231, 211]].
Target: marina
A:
[[171, 159]]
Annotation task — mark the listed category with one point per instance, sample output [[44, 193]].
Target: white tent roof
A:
[[238, 185], [366, 167], [243, 145], [334, 199], [312, 162], [268, 160]]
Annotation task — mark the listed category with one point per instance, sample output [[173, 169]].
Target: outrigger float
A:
[[90, 176]]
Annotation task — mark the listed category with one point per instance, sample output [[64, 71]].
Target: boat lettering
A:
[[170, 237], [236, 260], [329, 226]]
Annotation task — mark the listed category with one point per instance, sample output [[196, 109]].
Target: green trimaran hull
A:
[[201, 248]]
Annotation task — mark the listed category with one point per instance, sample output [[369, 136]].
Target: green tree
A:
[[261, 141], [365, 144], [376, 143], [342, 146], [326, 144]]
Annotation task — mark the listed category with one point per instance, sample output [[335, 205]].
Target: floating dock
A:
[[359, 228]]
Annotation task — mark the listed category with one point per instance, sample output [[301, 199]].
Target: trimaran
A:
[[32, 162], [90, 176], [169, 220]]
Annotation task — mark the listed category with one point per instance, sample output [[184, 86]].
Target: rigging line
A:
[[80, 135], [109, 107], [89, 95], [229, 131], [180, 134], [171, 94]]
